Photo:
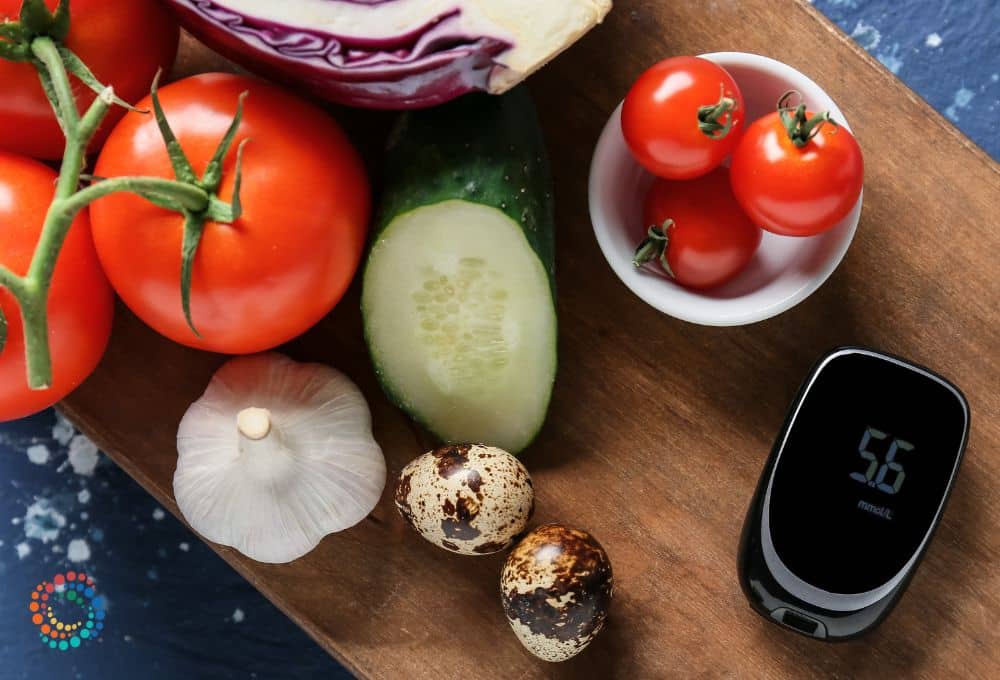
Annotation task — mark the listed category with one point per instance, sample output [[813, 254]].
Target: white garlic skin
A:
[[276, 455], [469, 499]]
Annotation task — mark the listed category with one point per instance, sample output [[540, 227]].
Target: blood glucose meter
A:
[[852, 492]]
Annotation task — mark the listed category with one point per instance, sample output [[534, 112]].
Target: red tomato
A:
[[80, 305], [793, 190], [708, 239], [284, 264], [682, 117], [123, 43]]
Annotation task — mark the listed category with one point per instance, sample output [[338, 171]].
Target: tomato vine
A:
[[36, 37]]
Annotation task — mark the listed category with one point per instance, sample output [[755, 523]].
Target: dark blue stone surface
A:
[[948, 51], [175, 610]]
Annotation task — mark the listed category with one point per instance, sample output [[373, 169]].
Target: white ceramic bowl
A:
[[784, 271]]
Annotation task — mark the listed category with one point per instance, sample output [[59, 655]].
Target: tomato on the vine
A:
[[278, 269], [123, 43], [80, 305], [797, 173], [697, 231], [683, 117]]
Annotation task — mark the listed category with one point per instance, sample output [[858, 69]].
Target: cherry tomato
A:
[[284, 264], [683, 117], [793, 189], [80, 306], [697, 231], [123, 42]]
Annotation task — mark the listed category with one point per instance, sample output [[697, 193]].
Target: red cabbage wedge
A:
[[392, 54]]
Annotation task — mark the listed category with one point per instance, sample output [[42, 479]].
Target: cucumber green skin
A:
[[478, 148]]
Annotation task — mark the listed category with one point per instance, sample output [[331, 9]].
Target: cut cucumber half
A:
[[460, 320], [459, 288]]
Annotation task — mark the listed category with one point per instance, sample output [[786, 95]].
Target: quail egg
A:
[[470, 499], [556, 587]]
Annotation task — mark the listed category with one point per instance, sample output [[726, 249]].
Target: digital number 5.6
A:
[[875, 473]]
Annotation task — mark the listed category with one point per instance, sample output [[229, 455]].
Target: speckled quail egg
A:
[[470, 499], [556, 587]]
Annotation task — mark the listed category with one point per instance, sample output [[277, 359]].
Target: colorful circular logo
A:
[[68, 611]]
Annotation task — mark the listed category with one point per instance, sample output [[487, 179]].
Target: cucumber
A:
[[458, 296]]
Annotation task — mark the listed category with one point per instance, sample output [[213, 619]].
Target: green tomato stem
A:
[[654, 247], [185, 196], [9, 279], [38, 355], [47, 53], [709, 115], [3, 330], [798, 125], [34, 291]]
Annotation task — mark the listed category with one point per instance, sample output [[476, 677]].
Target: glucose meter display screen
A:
[[863, 472]]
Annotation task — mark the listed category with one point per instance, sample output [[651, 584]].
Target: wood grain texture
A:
[[658, 428]]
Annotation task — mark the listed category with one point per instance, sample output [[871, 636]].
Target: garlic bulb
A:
[[276, 455]]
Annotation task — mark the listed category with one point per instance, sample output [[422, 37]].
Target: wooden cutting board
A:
[[658, 428]]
